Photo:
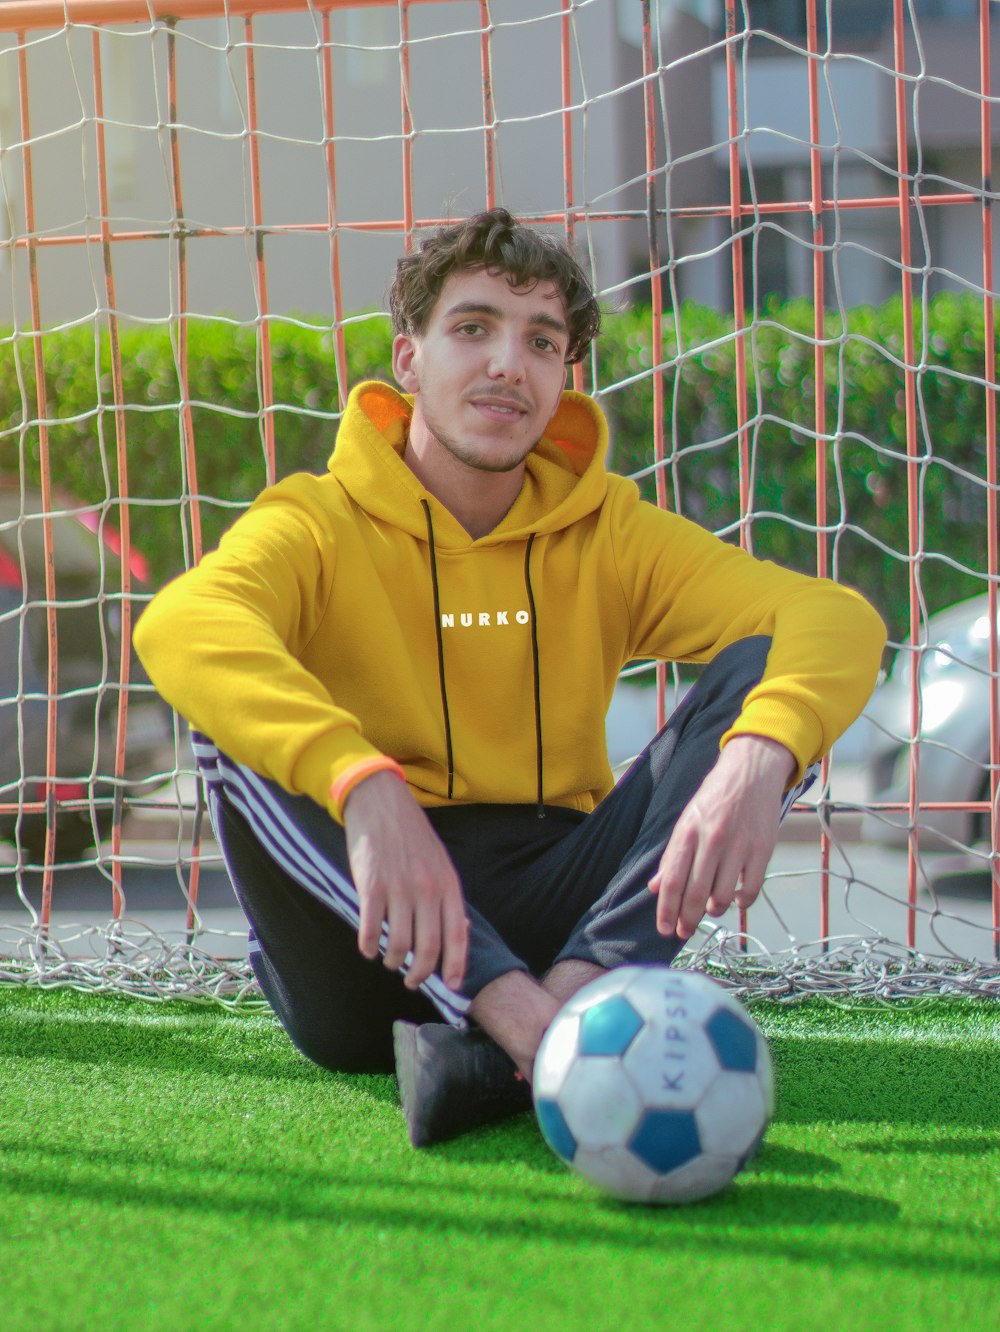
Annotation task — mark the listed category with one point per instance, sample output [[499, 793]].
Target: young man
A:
[[399, 672]]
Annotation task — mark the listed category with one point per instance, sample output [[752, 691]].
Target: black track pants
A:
[[538, 890]]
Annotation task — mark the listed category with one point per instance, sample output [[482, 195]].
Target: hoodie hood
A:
[[564, 480], [347, 624]]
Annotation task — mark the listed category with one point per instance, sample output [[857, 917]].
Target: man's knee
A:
[[329, 1028], [339, 1048], [341, 1016], [742, 663]]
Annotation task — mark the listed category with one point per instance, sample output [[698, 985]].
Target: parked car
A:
[[87, 559], [954, 732]]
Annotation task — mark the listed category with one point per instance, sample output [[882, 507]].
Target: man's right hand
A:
[[405, 878]]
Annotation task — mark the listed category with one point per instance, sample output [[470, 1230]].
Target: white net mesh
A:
[[200, 213]]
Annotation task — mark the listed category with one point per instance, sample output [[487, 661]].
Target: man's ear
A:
[[404, 350]]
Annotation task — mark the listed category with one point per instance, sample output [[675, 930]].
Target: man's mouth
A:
[[500, 409]]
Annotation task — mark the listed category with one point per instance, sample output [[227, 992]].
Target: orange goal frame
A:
[[23, 17]]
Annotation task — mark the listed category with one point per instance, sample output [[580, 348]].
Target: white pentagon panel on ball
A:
[[765, 1071], [657, 992], [700, 1178], [728, 999], [765, 1077], [611, 983], [672, 1063], [732, 1115], [555, 1055], [600, 1106], [740, 1045], [654, 1084], [617, 1173]]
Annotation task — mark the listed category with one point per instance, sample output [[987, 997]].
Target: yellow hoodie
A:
[[349, 617]]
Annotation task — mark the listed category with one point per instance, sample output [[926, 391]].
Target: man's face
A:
[[487, 372]]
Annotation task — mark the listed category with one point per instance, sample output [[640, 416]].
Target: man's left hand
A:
[[722, 843]]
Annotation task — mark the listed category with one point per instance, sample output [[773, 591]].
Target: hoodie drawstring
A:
[[440, 649], [534, 662], [536, 673]]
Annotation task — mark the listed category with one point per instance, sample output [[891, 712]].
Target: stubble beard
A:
[[471, 457]]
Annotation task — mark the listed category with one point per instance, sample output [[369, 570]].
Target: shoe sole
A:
[[404, 1045]]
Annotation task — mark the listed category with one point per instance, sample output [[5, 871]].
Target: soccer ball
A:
[[654, 1084]]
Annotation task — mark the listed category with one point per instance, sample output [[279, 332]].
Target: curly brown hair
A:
[[497, 242]]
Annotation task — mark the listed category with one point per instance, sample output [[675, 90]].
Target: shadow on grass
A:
[[784, 1216], [976, 1144], [519, 1140], [887, 1081], [781, 1160], [828, 1079], [225, 1051]]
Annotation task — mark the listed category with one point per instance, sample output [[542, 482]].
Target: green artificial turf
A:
[[183, 1167]]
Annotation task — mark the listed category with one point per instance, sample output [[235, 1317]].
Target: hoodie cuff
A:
[[786, 720], [354, 775]]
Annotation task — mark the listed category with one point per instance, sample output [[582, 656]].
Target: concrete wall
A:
[[857, 138], [449, 176]]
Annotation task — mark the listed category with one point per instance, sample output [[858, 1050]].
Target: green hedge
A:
[[222, 361], [866, 461]]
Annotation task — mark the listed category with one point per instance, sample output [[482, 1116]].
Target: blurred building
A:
[[445, 102], [857, 135]]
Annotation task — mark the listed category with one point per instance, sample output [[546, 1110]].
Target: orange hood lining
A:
[[571, 430]]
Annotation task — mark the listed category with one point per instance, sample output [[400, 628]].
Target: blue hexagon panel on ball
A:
[[654, 1084], [555, 1130], [610, 1027], [666, 1139], [734, 1039]]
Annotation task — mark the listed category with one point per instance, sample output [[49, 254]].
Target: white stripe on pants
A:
[[289, 847]]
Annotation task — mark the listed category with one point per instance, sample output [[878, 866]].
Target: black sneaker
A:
[[453, 1081]]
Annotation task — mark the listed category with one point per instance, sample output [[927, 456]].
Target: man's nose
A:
[[507, 360]]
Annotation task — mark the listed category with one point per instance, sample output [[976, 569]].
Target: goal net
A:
[[788, 212]]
